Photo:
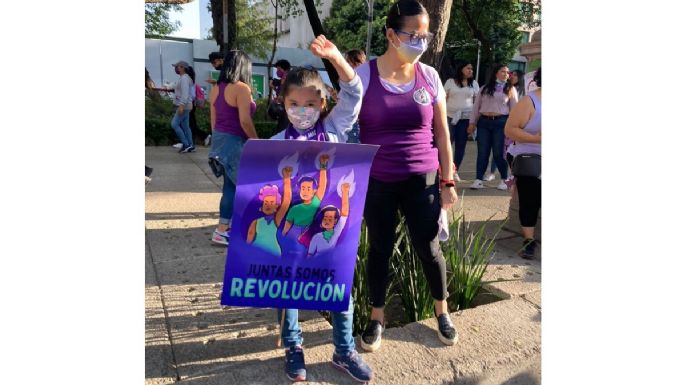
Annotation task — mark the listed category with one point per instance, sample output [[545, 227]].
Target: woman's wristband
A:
[[447, 183]]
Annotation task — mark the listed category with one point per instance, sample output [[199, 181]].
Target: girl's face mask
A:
[[303, 118]]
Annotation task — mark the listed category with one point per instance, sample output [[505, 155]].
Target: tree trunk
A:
[[314, 21], [439, 13], [218, 24], [273, 50]]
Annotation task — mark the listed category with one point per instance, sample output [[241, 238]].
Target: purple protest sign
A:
[[296, 222]]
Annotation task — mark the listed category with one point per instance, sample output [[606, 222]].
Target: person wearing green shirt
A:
[[302, 215]]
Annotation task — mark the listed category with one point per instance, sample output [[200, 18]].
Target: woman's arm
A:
[[475, 113], [442, 140], [345, 209], [323, 177], [244, 101], [252, 231], [287, 195], [518, 118], [213, 94]]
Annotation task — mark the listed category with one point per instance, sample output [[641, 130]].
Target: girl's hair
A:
[[270, 190], [307, 77], [191, 72], [460, 75], [400, 10], [237, 67], [299, 77], [489, 88], [538, 77], [308, 179], [355, 57]]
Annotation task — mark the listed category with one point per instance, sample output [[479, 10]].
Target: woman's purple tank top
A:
[[227, 117], [533, 126], [402, 125]]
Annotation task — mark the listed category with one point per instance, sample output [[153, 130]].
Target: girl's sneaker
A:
[[354, 365], [294, 364], [477, 185], [490, 177], [220, 237]]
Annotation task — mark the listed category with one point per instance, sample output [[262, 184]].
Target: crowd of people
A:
[[422, 128]]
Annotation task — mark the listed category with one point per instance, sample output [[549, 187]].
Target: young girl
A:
[[303, 93]]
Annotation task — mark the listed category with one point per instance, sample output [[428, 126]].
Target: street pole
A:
[[225, 23], [369, 28], [478, 62]]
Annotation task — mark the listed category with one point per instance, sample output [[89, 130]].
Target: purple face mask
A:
[[280, 73]]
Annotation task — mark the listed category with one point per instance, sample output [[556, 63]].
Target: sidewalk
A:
[[190, 338]]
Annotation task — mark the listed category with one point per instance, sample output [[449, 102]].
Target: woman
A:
[[490, 112], [525, 128], [460, 93], [516, 79], [231, 108], [403, 109], [183, 100]]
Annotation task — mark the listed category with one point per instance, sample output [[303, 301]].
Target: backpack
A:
[[199, 96]]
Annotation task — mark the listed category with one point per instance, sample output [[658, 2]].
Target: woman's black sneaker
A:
[[446, 331], [371, 337], [528, 251]]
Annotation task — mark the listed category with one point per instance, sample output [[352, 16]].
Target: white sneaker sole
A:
[[219, 242], [372, 347], [448, 341]]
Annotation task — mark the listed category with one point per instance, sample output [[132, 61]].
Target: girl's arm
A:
[[244, 101], [349, 102], [213, 94], [287, 195], [518, 118]]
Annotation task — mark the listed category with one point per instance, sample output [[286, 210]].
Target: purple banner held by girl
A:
[[296, 223]]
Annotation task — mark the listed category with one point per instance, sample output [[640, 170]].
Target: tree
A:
[[318, 29], [439, 13], [493, 23], [253, 28], [157, 22], [216, 7], [287, 8], [347, 25]]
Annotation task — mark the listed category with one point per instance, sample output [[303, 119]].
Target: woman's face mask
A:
[[411, 50], [303, 118]]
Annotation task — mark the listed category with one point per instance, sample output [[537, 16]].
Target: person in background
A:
[[460, 93], [217, 61], [516, 79], [524, 126], [183, 100], [490, 112], [355, 58], [194, 129], [277, 111]]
